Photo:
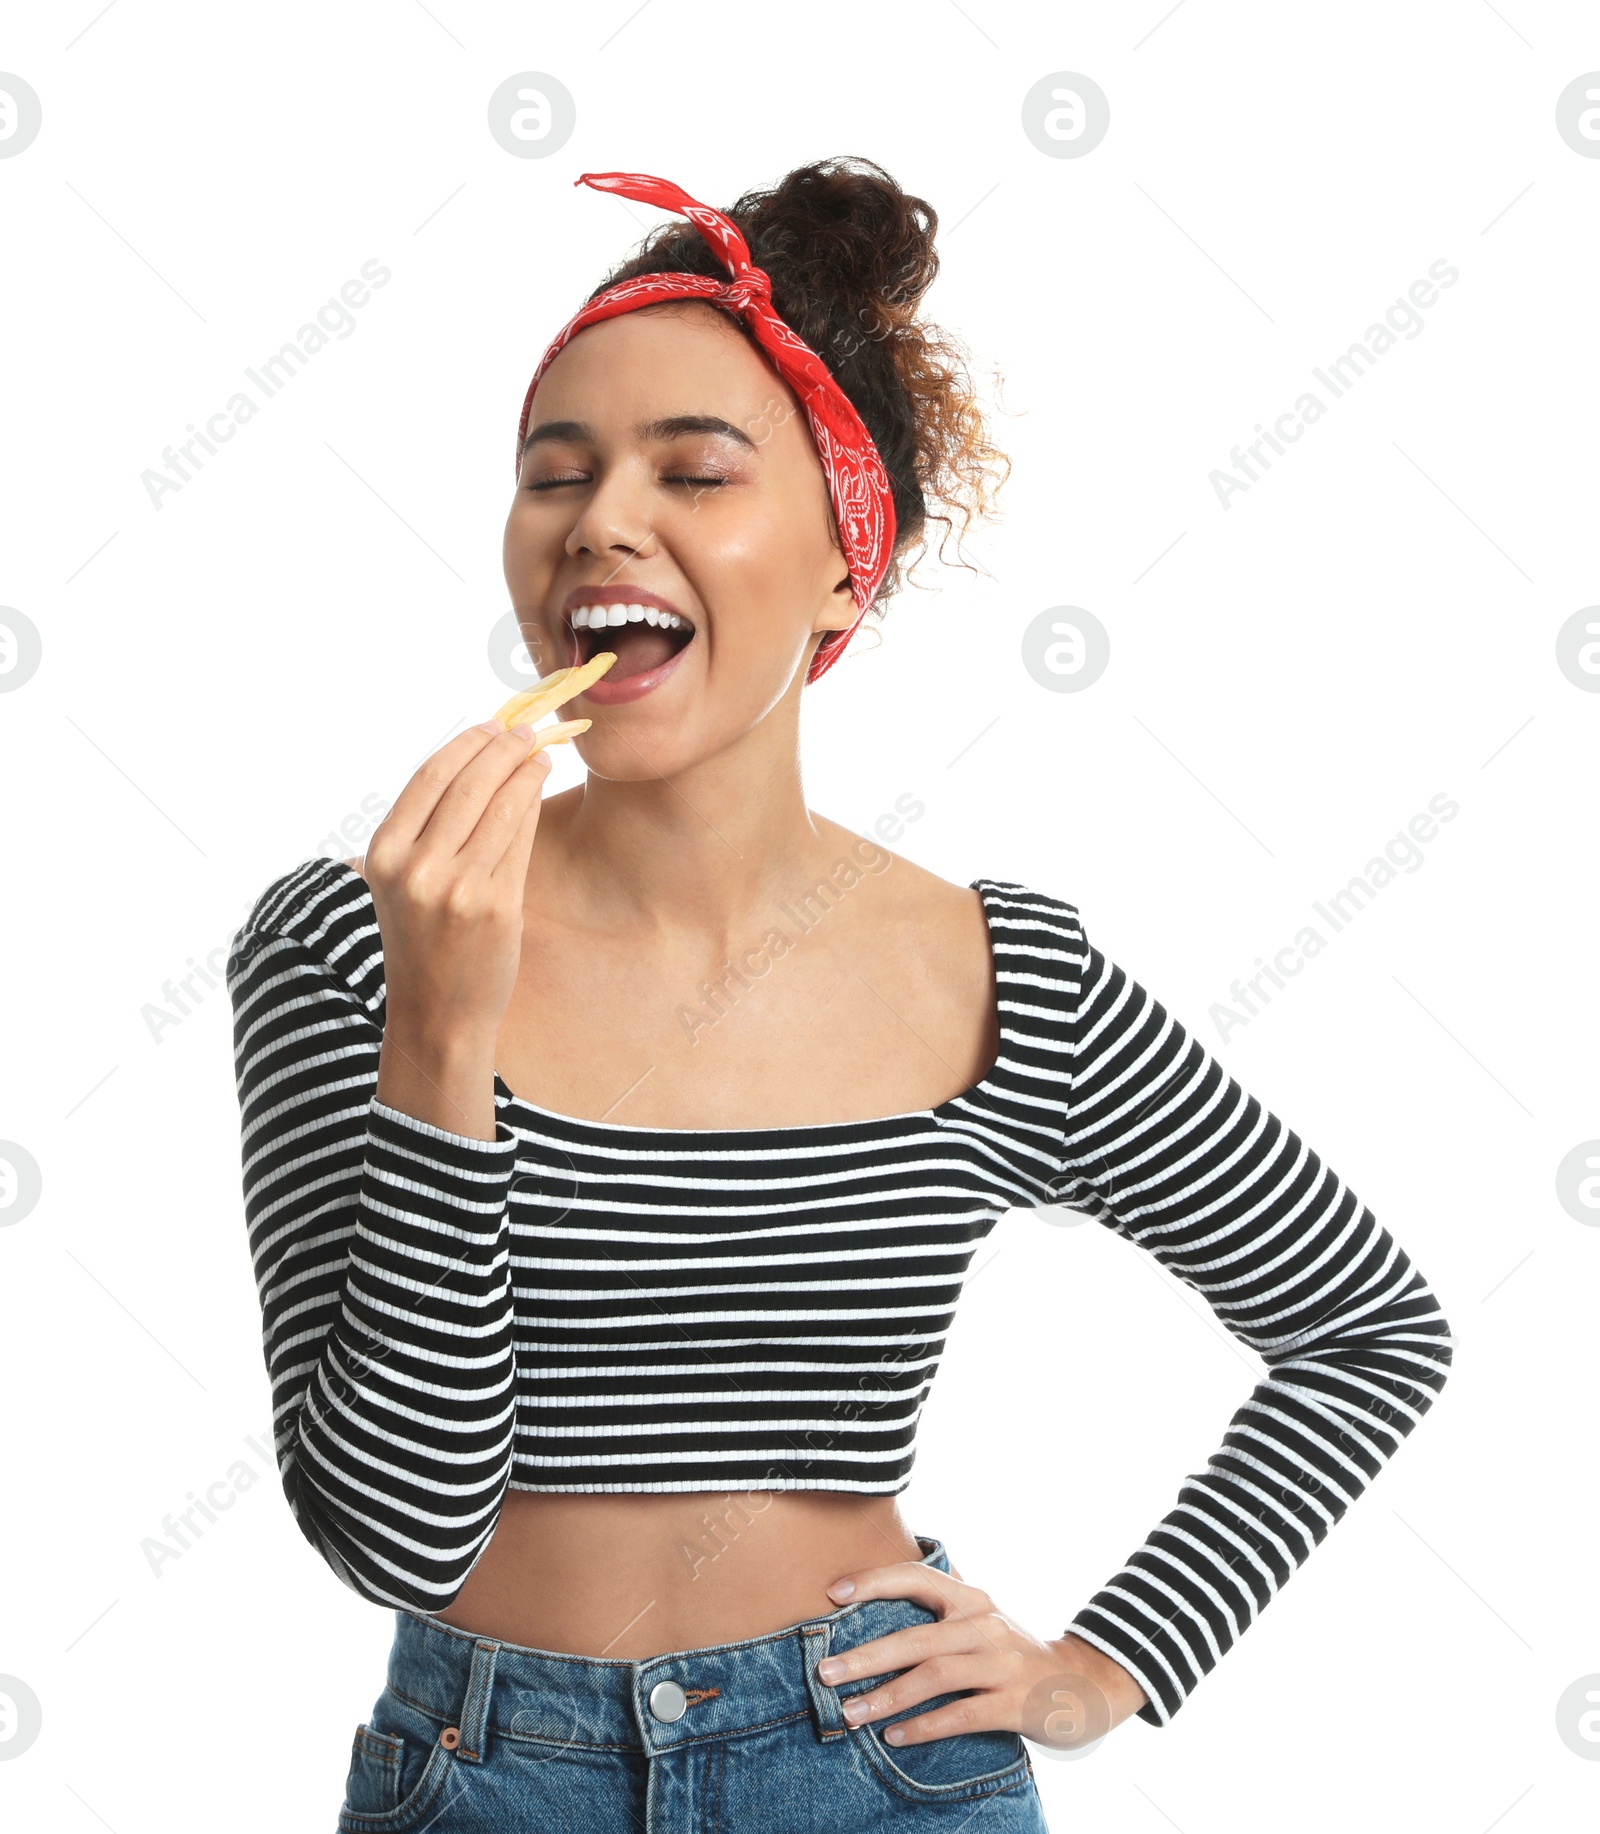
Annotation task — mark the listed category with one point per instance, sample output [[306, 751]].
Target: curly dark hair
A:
[[850, 256]]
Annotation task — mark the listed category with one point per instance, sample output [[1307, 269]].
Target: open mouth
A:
[[643, 634]]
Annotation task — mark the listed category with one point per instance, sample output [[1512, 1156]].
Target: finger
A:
[[420, 797], [478, 813], [499, 827], [513, 866], [906, 1579], [902, 1649], [512, 863], [981, 1712], [955, 1673], [446, 778]]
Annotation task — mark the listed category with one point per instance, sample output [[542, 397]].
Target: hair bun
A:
[[844, 227]]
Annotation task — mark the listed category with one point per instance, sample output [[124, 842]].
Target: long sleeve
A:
[[381, 1252], [1164, 1147]]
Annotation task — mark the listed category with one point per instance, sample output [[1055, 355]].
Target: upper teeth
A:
[[597, 615]]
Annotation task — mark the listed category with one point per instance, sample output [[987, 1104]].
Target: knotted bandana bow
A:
[[857, 482]]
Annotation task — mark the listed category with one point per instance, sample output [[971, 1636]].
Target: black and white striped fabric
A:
[[586, 1306]]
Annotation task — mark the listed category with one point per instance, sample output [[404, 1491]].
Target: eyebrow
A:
[[670, 426]]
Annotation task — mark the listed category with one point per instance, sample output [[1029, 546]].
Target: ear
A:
[[848, 612]]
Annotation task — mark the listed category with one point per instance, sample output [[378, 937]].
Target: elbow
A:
[[380, 1578], [1431, 1346], [387, 1571], [1444, 1353]]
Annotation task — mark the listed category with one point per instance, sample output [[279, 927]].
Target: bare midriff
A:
[[633, 1575]]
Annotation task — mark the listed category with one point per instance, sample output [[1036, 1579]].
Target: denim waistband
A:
[[482, 1686]]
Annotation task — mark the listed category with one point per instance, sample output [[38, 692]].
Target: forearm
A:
[[1170, 1151], [396, 1452]]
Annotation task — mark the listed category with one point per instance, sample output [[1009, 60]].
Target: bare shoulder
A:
[[355, 865], [948, 917], [916, 909]]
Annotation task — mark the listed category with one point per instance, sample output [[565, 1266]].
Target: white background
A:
[[1292, 678]]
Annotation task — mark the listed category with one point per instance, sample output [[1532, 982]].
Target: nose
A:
[[613, 521]]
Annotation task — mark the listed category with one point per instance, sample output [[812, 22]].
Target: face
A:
[[669, 466]]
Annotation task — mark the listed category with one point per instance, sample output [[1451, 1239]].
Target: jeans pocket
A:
[[396, 1777], [951, 1768], [372, 1786]]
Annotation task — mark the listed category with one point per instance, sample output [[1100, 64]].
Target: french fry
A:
[[559, 734], [554, 691], [512, 712]]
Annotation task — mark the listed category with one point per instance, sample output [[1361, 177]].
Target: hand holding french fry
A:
[[447, 866]]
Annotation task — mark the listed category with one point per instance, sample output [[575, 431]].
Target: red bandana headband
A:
[[857, 481]]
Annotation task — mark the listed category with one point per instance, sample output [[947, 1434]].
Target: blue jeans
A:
[[473, 1734]]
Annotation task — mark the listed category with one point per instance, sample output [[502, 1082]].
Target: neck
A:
[[709, 850]]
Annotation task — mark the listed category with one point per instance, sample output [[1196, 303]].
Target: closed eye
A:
[[676, 478]]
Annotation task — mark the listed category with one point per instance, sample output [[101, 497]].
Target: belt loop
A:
[[825, 1713], [475, 1709]]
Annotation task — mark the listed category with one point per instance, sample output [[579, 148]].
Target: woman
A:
[[613, 1163]]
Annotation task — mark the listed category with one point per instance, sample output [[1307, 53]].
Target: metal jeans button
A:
[[668, 1700]]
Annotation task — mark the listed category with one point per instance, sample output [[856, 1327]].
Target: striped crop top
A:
[[584, 1306]]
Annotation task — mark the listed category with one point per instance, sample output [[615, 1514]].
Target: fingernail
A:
[[523, 732], [853, 1710], [831, 1670], [893, 1734], [841, 1588], [490, 726]]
